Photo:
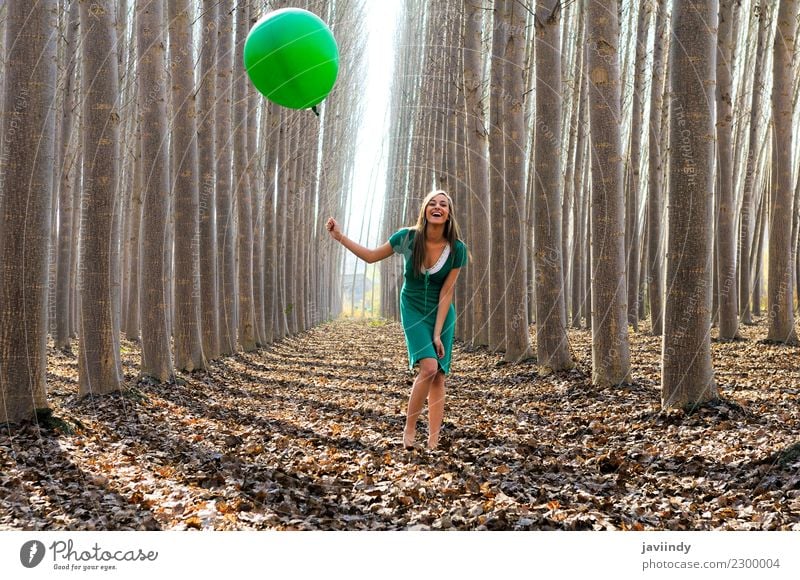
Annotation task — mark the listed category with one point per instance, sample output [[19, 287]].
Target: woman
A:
[[434, 256]]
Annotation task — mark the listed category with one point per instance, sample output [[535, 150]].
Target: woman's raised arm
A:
[[369, 256]]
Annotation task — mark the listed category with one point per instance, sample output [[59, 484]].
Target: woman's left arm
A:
[[445, 299]]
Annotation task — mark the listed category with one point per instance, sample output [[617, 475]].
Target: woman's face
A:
[[438, 209]]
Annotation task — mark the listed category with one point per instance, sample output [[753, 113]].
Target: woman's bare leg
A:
[[435, 409], [419, 392]]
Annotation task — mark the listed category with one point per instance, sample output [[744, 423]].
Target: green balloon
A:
[[291, 57]]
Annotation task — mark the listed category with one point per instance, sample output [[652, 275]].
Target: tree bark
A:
[[226, 227], [206, 95], [65, 191], [518, 343], [244, 200], [610, 349], [687, 375], [655, 202], [780, 280], [497, 274], [156, 353], [99, 357], [632, 235], [726, 233], [749, 216], [477, 170], [186, 189], [552, 347], [26, 166]]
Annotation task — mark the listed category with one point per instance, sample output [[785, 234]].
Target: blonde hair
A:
[[452, 233]]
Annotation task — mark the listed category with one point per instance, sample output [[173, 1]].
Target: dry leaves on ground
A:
[[305, 434]]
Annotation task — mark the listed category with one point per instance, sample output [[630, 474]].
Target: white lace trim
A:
[[440, 262]]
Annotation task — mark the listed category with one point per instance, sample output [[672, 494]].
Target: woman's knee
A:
[[428, 367]]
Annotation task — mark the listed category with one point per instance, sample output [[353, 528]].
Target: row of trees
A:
[[611, 161], [146, 188]]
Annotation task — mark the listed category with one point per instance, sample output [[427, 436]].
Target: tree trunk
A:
[[497, 274], [579, 258], [156, 353], [687, 375], [65, 192], [655, 202], [226, 228], [748, 218], [726, 234], [780, 281], [551, 329], [270, 266], [477, 171], [133, 326], [518, 343], [99, 360], [186, 185], [25, 205], [610, 349], [632, 235], [244, 201], [206, 95], [758, 254]]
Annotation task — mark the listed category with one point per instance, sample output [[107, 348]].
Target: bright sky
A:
[[370, 166]]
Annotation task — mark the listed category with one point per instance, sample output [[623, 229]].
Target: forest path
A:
[[305, 435]]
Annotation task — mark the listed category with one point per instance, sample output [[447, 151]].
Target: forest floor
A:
[[306, 435]]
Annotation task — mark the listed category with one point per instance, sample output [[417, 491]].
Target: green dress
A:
[[419, 300]]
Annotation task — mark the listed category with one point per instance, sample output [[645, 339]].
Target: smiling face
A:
[[438, 209]]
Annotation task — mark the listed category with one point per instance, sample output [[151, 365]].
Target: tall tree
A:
[[68, 171], [206, 94], [780, 289], [99, 358], [25, 204], [477, 165], [244, 200], [726, 232], [655, 202], [551, 325], [579, 257], [497, 291], [632, 236], [748, 217], [156, 352], [226, 228], [518, 344], [610, 349], [185, 186], [687, 375]]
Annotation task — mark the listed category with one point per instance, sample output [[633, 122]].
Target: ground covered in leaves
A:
[[306, 435]]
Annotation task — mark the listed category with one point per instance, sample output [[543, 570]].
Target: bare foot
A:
[[433, 441], [408, 439]]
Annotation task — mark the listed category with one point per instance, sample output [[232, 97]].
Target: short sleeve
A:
[[401, 241], [460, 258]]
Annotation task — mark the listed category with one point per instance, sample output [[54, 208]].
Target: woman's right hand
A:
[[333, 229]]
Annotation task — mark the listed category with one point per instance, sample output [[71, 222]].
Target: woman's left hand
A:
[[438, 346]]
